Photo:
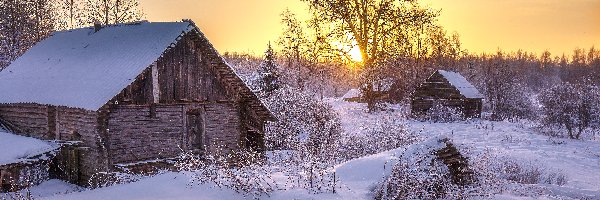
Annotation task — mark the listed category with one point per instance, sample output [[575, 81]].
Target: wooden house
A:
[[448, 89], [129, 93]]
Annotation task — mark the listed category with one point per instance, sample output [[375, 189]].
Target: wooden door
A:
[[195, 128]]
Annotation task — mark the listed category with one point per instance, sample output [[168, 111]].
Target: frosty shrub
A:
[[105, 179], [304, 124], [498, 168], [526, 172], [420, 175], [387, 134], [242, 171], [440, 113], [20, 195], [574, 107], [310, 129]]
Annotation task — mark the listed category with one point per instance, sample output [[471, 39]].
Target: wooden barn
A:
[[448, 89], [130, 92]]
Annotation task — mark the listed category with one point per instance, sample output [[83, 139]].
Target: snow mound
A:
[[15, 148]]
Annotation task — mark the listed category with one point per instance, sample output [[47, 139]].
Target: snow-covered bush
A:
[[242, 171], [574, 107], [525, 172], [500, 170], [105, 179], [304, 124], [440, 113], [388, 133], [20, 195], [310, 129], [419, 174]]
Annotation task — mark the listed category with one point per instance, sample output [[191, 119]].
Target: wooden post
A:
[[155, 85], [334, 182]]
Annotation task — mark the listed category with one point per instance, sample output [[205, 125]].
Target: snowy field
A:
[[579, 161]]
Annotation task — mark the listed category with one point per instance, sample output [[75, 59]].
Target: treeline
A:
[[26, 22], [516, 85]]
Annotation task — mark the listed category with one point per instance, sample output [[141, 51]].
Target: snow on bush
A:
[[242, 171], [524, 172], [106, 179], [20, 195], [302, 122], [498, 173], [386, 134], [574, 107], [310, 129], [419, 175]]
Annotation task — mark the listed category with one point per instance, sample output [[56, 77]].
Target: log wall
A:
[[437, 89], [31, 119], [134, 135], [223, 127], [61, 123], [187, 75], [82, 125], [184, 76]]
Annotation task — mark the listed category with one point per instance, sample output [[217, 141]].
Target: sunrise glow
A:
[[484, 26]]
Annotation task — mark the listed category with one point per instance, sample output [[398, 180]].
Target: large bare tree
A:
[[379, 28]]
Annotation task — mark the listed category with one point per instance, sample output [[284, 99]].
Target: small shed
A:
[[353, 95], [131, 92], [448, 89]]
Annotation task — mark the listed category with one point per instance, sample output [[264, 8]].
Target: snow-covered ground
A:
[[357, 177], [579, 161], [15, 148]]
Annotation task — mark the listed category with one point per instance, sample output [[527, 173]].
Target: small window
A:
[[76, 135]]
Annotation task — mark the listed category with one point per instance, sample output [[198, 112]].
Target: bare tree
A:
[[22, 24], [293, 40], [375, 25], [69, 14], [112, 11], [571, 106]]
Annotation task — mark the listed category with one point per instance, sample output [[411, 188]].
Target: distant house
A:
[[130, 92], [353, 95], [448, 89], [381, 92]]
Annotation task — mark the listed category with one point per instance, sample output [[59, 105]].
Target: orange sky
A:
[[484, 25]]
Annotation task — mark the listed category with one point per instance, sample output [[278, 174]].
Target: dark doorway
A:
[[195, 123], [255, 141]]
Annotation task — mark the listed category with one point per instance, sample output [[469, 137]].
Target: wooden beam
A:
[[155, 85]]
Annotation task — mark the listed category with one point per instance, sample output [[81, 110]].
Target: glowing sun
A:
[[355, 54]]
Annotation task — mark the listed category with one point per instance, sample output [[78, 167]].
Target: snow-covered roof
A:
[[352, 93], [464, 87], [16, 148], [81, 68]]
